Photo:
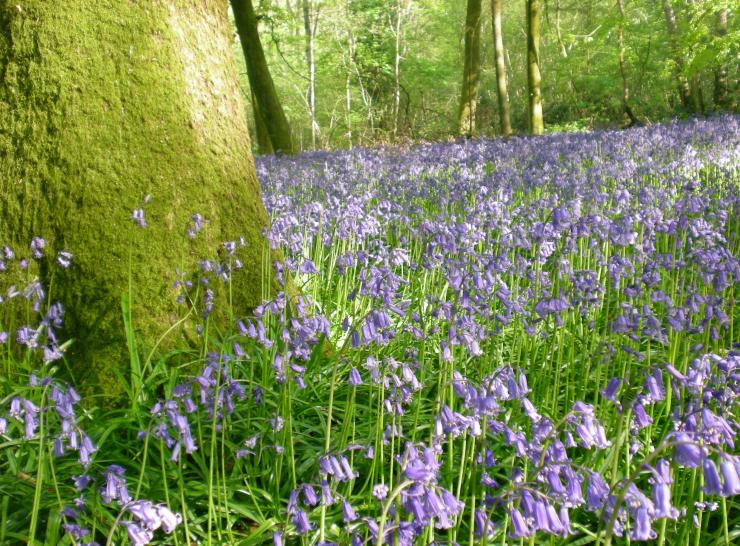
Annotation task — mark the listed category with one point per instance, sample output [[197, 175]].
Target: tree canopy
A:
[[388, 71]]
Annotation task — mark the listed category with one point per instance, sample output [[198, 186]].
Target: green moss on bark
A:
[[101, 104]]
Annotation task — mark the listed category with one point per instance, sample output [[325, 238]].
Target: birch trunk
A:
[[534, 78], [501, 85]]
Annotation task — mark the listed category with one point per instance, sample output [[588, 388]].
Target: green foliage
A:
[[355, 42]]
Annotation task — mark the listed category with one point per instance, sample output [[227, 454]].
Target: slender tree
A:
[[684, 90], [310, 21], [695, 83], [101, 104], [269, 114], [264, 144], [534, 78], [501, 86], [471, 70], [721, 94], [397, 31], [622, 69]]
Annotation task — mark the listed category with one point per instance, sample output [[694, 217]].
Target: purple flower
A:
[[81, 482], [115, 485], [483, 525], [730, 481], [520, 528], [138, 535], [354, 378], [641, 529], [37, 247], [380, 491], [688, 452], [597, 492], [612, 388], [712, 484], [301, 523], [310, 498], [348, 513], [138, 217]]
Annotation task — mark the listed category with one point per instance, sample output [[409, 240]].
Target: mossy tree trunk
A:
[[471, 70], [264, 94], [534, 77], [498, 48], [101, 104]]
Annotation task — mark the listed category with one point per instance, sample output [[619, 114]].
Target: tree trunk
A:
[[684, 92], [695, 83], [697, 94], [558, 34], [397, 68], [498, 47], [471, 70], [534, 79], [264, 144], [102, 103], [309, 29], [348, 75], [720, 73], [260, 80], [622, 69]]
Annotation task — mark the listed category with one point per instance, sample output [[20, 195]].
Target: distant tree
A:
[[403, 7], [684, 92], [534, 77], [471, 70], [721, 94], [102, 103], [622, 69], [695, 84], [269, 116], [310, 24], [264, 143], [499, 53], [689, 82]]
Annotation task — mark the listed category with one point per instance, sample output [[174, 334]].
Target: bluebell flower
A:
[[354, 378], [380, 491], [348, 513], [137, 534], [301, 522], [519, 527]]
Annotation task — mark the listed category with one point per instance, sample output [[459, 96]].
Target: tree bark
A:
[[720, 73], [697, 94], [534, 78], [260, 81], [397, 68], [264, 144], [684, 92], [310, 28], [622, 69], [348, 74], [471, 70], [102, 103], [501, 87]]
